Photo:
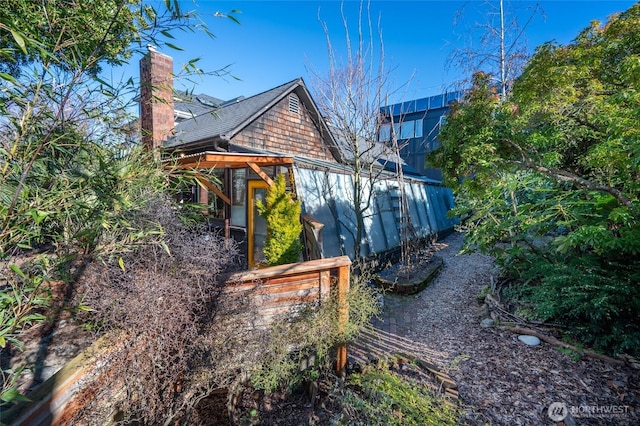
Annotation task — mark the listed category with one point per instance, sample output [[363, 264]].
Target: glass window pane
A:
[[238, 197], [419, 125], [259, 227], [406, 130], [385, 132]]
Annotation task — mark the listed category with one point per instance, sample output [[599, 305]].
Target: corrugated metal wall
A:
[[327, 196]]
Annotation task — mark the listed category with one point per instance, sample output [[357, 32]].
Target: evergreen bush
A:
[[282, 213]]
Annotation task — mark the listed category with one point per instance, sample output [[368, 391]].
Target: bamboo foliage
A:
[[70, 177]]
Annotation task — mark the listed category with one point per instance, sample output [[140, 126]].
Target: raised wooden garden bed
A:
[[409, 280]]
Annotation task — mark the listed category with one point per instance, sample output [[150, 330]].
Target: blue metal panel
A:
[[327, 196]]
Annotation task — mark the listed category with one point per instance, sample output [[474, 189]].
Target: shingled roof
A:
[[192, 105], [226, 120], [189, 105]]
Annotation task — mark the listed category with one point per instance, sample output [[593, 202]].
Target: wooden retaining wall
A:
[[274, 291]]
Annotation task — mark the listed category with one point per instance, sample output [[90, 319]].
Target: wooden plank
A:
[[291, 269], [204, 181], [265, 177], [287, 299], [325, 285], [343, 317], [302, 277], [290, 290], [291, 293], [287, 287], [274, 284], [208, 160], [452, 393]]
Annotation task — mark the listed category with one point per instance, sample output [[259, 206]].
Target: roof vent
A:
[[294, 104], [206, 102]]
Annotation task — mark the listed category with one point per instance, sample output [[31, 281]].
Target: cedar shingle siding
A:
[[281, 130]]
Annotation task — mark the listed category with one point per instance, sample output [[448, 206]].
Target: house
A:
[[245, 142], [416, 124]]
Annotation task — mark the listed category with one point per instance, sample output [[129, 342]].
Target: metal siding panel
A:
[[428, 206]]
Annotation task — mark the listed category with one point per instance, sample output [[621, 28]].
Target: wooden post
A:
[[343, 317], [325, 285]]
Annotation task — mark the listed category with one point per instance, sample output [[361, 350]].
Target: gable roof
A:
[[189, 105], [224, 122]]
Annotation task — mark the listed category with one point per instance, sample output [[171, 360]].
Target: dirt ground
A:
[[502, 380]]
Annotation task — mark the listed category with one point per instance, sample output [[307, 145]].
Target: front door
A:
[[257, 225]]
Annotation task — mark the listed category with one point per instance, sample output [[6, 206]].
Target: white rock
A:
[[486, 323], [529, 340]]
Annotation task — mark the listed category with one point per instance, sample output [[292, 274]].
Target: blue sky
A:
[[278, 41]]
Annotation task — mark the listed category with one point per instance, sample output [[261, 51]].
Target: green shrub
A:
[[381, 397], [598, 303], [282, 213]]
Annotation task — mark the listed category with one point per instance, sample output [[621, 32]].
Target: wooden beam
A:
[[325, 285], [343, 318], [265, 177], [230, 160], [204, 181], [290, 269]]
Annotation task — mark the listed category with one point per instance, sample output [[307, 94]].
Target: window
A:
[[238, 197], [405, 130], [385, 132], [418, 131]]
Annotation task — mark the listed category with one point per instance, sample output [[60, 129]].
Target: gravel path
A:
[[501, 380]]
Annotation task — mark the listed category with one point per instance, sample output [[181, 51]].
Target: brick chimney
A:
[[156, 98]]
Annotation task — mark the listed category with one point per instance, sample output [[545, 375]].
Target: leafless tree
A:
[[350, 96], [496, 46]]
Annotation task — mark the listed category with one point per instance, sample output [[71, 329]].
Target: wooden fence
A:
[[274, 290], [281, 289]]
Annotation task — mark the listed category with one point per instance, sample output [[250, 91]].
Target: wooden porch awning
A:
[[229, 160]]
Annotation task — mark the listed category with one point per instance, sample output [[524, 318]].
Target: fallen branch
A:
[[560, 343], [495, 305], [447, 383]]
